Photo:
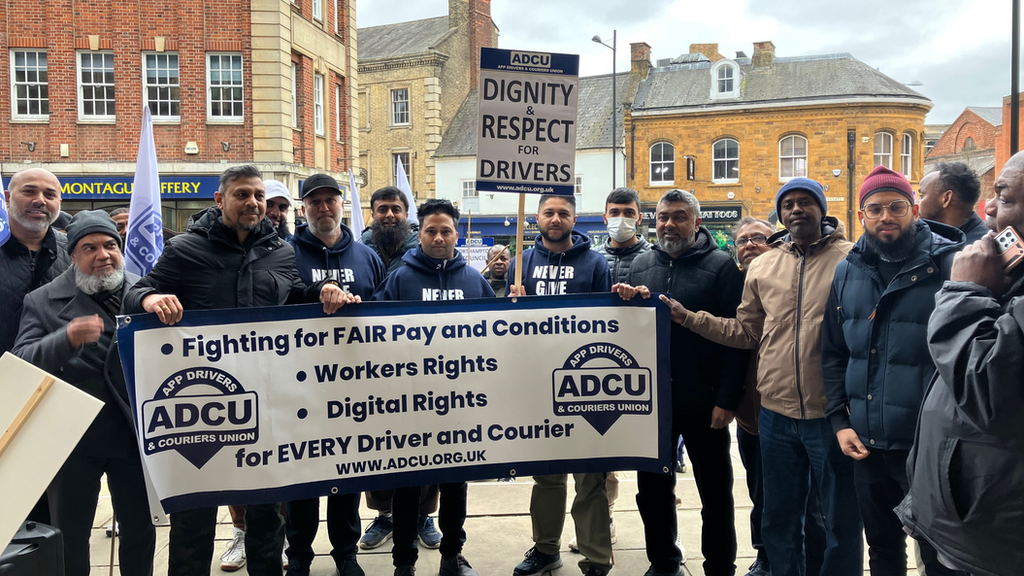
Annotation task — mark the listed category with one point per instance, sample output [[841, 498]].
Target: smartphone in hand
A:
[[1010, 248]]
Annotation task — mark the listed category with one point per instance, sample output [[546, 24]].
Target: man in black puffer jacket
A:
[[230, 257], [967, 466], [707, 380], [874, 354], [622, 216]]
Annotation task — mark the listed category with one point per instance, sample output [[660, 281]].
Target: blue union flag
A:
[[145, 239]]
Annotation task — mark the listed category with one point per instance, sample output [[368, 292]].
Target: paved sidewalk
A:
[[498, 529]]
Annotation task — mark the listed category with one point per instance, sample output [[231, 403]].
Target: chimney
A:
[[708, 50], [740, 54], [482, 34], [458, 13], [640, 54], [764, 55]]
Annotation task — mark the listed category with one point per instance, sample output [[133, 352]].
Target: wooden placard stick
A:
[[25, 412], [469, 237], [520, 228]]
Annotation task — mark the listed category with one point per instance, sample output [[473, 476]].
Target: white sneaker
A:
[[682, 551], [234, 557], [284, 554], [575, 547], [612, 526]]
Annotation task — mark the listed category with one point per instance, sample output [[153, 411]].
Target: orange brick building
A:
[[971, 138], [264, 81], [733, 131]]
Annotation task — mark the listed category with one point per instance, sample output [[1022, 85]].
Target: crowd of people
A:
[[876, 386]]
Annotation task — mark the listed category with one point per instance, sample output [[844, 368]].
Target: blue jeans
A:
[[792, 451]]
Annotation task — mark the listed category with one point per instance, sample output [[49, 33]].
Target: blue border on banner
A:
[[128, 326], [515, 187]]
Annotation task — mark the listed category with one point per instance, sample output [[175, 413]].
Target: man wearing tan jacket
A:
[[781, 313]]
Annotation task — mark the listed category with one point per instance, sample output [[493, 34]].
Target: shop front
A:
[[720, 218], [503, 229], [180, 196]]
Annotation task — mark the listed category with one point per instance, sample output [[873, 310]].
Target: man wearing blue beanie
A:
[[783, 306]]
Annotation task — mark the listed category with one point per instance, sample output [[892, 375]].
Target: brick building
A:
[[732, 131], [971, 138], [1002, 135], [413, 77], [219, 78]]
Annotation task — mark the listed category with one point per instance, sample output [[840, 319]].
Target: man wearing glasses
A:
[[875, 360]]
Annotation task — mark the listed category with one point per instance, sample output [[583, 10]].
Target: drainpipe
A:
[[632, 151], [851, 143]]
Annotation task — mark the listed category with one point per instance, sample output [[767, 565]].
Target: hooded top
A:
[[427, 279], [578, 270], [357, 268]]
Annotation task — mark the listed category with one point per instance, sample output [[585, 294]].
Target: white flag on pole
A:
[[357, 210], [145, 239], [403, 185], [5, 223]]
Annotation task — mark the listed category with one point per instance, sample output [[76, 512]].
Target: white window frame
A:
[[577, 190], [295, 98], [318, 104], [318, 10], [335, 16], [395, 113], [734, 92], [41, 86], [405, 164], [726, 159], [82, 116], [671, 161], [337, 112], [883, 158], [798, 160], [157, 117], [209, 87], [907, 154], [471, 191]]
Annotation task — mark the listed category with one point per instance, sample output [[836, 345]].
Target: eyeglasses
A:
[[755, 240], [898, 209]]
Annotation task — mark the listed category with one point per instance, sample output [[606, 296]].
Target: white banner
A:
[[275, 404], [527, 137]]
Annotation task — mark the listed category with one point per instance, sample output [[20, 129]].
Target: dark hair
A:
[[570, 198], [243, 171], [678, 195], [118, 211], [438, 206], [751, 220], [958, 177], [387, 193], [623, 196]]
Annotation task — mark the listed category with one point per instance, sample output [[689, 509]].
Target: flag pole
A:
[[520, 228]]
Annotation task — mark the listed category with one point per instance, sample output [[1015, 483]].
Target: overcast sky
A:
[[958, 49]]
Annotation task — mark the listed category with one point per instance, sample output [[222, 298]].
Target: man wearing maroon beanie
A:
[[874, 354]]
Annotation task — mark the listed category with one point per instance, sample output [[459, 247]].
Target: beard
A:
[[679, 246], [328, 225], [390, 237], [555, 239], [18, 214], [897, 249], [92, 285], [282, 230]]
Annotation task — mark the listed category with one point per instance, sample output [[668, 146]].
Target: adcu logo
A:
[[197, 411], [601, 382]]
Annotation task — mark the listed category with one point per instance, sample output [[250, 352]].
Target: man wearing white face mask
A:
[[622, 215]]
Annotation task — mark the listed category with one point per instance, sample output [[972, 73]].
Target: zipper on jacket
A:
[[799, 317]]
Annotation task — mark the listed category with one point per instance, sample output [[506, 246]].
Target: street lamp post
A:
[[615, 100]]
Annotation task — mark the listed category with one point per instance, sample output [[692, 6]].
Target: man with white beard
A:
[[68, 328]]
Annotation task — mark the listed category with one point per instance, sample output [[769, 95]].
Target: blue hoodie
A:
[[356, 268], [427, 279], [578, 270]]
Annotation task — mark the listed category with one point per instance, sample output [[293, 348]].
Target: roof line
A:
[[808, 101], [403, 22]]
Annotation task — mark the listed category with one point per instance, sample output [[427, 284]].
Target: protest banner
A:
[[276, 404], [43, 419], [474, 250], [526, 142]]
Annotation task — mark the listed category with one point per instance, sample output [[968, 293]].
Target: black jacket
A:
[[974, 228], [620, 259], [704, 374], [966, 470], [874, 346], [92, 368], [206, 268], [21, 273]]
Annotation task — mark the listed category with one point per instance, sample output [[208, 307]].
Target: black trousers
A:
[[303, 520], [814, 525], [712, 471], [451, 520], [190, 551], [73, 496], [881, 483]]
